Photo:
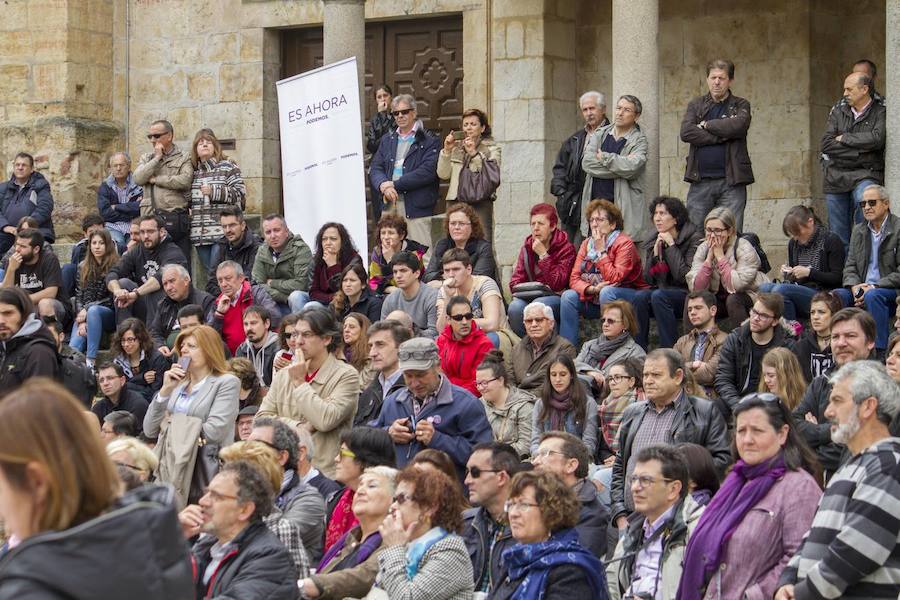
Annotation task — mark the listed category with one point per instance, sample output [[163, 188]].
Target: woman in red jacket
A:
[[461, 345], [545, 258], [607, 263]]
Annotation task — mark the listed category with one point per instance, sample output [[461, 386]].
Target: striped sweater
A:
[[227, 183], [852, 550]]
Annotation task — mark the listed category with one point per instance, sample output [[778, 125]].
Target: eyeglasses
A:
[[217, 496], [402, 111], [483, 384], [759, 315], [715, 230], [870, 203], [545, 452], [598, 220], [534, 320], [405, 355], [475, 472], [761, 396], [401, 499], [156, 136], [608, 321], [459, 223], [518, 505], [347, 453], [642, 481], [463, 317], [127, 466], [293, 335], [618, 378], [129, 340]]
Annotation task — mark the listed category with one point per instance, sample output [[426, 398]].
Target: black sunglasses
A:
[[475, 472], [870, 203], [155, 136], [463, 317], [403, 111]]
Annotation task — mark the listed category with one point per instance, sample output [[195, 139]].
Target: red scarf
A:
[[342, 519]]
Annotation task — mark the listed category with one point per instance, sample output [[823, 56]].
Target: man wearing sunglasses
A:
[[166, 174], [872, 270], [462, 345], [403, 174]]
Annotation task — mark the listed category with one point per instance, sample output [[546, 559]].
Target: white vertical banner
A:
[[322, 170]]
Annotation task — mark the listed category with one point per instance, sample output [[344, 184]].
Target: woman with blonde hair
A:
[[59, 501], [782, 376], [134, 455]]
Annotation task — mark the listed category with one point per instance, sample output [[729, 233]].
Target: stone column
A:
[[345, 36], [891, 91], [635, 71]]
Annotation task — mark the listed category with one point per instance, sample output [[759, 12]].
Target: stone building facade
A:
[[82, 78]]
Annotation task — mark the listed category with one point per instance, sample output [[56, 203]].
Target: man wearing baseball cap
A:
[[431, 412]]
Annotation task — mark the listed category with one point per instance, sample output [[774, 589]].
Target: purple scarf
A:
[[366, 548], [744, 487], [560, 405]]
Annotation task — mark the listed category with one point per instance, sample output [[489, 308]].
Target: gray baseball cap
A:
[[418, 354]]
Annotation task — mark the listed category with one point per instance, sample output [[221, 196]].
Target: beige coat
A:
[[745, 273], [173, 175], [450, 164], [326, 406], [512, 423]]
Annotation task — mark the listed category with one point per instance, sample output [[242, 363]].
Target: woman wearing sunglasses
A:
[[756, 521], [424, 557], [462, 345], [564, 405], [615, 344]]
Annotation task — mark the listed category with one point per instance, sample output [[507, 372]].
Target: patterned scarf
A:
[[342, 519], [811, 254], [532, 564]]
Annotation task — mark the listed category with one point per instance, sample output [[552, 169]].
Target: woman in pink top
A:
[[756, 521]]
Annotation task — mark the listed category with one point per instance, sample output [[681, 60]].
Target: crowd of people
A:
[[646, 414]]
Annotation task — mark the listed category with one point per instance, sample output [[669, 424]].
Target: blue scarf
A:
[[532, 564], [419, 547]]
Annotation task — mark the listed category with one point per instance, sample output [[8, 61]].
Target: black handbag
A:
[[529, 291], [205, 468]]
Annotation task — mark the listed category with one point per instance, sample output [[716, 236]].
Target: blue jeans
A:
[[797, 298], [881, 303], [516, 313], [640, 304], [571, 308], [667, 306], [843, 210], [99, 319], [119, 238], [205, 254]]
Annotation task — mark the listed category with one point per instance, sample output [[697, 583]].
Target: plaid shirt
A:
[[655, 428], [289, 534]]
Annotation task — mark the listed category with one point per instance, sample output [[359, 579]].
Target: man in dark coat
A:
[[238, 244], [27, 348], [26, 194], [176, 283]]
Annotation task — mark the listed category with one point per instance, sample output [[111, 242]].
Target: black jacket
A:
[[129, 400], [480, 251], [568, 177], [370, 399], [860, 252], [477, 536], [258, 568], [30, 352], [134, 551], [815, 401], [166, 316], [380, 124], [860, 153], [153, 361], [324, 485], [565, 582], [368, 304], [140, 264], [813, 361], [671, 269], [593, 519], [698, 422], [830, 273], [243, 253], [730, 130], [736, 376]]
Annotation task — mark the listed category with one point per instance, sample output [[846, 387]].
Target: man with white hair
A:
[[538, 348], [306, 449], [568, 176], [176, 284], [852, 550]]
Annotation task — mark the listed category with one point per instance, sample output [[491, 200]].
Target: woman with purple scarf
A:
[[756, 521], [564, 405], [349, 567]]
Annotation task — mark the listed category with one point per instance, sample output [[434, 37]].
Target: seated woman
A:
[[355, 335], [542, 267], [251, 389], [508, 408], [667, 260], [547, 561], [348, 569], [142, 363], [134, 455], [62, 508], [430, 460], [423, 556], [564, 405], [472, 165], [335, 250], [608, 267], [613, 345], [781, 376], [355, 295], [892, 358], [93, 301], [762, 511], [726, 265], [815, 262], [703, 477], [390, 235], [813, 349], [465, 231]]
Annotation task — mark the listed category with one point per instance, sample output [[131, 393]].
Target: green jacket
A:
[[290, 273]]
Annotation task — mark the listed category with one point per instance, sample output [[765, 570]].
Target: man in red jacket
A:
[[462, 345], [237, 295]]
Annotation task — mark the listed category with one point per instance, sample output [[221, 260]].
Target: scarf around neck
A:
[[744, 487], [417, 549], [342, 519], [560, 405], [602, 348]]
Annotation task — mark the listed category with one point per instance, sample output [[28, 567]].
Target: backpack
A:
[[78, 379], [751, 237]]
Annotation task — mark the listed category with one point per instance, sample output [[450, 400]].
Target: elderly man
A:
[[853, 152], [568, 176], [537, 349], [26, 194], [431, 412], [852, 550], [872, 270], [166, 174], [238, 244], [667, 416], [176, 283], [718, 164], [404, 171], [237, 295], [282, 265], [237, 556], [119, 199], [306, 449]]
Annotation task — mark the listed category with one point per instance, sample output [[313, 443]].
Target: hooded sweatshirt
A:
[[263, 357], [30, 352]]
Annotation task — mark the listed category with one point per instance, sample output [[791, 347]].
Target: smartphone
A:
[[286, 355], [459, 135], [859, 293], [184, 362], [409, 425]]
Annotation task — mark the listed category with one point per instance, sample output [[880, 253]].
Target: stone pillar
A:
[[892, 90], [345, 36], [635, 71]]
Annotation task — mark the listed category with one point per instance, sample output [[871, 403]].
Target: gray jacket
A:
[[216, 403], [857, 265], [302, 504], [628, 171]]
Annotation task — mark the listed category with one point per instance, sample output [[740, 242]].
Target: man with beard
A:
[[27, 348], [38, 273], [238, 243], [260, 345]]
